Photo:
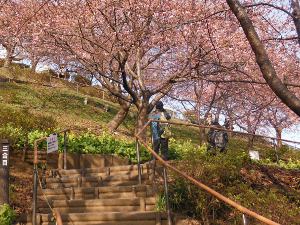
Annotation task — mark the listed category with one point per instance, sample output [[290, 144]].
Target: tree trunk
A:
[[142, 120], [262, 58], [34, 65], [217, 117], [201, 129], [296, 13], [278, 136], [119, 117], [9, 57], [250, 141]]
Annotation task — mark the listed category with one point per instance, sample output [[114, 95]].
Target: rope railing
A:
[[198, 183]]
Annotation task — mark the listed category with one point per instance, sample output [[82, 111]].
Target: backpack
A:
[[220, 138], [165, 127]]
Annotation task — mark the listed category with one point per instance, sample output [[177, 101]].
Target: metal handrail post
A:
[[167, 196], [65, 150], [34, 198], [138, 160], [35, 182], [245, 221]]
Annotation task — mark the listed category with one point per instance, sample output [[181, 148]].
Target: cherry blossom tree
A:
[[137, 50], [17, 22], [279, 117]]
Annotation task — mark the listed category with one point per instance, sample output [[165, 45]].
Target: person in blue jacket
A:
[[160, 131]]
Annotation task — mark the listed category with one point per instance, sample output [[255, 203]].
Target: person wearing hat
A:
[[160, 130]]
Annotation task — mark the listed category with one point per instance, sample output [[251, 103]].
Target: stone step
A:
[[97, 192], [102, 174], [105, 217], [127, 169], [100, 205], [79, 181], [140, 222], [99, 202], [102, 209]]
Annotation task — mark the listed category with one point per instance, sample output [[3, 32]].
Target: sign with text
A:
[[4, 153], [52, 143], [4, 171], [254, 155]]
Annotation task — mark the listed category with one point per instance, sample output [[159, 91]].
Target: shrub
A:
[[222, 173], [104, 144], [19, 125], [7, 215]]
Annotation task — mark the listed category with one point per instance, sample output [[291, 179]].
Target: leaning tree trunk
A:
[[278, 136], [119, 117], [262, 58]]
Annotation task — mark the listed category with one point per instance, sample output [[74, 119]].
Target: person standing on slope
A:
[[160, 131], [217, 139]]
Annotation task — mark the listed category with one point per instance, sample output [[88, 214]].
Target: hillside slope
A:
[[233, 174], [64, 105]]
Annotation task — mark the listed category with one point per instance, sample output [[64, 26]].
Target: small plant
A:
[[7, 215], [160, 205]]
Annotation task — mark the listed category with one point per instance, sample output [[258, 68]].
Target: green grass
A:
[[66, 105]]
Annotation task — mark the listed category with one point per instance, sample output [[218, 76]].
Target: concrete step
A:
[[140, 222], [79, 181], [108, 217], [127, 169], [97, 192], [100, 205]]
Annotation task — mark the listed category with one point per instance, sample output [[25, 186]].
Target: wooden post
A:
[[4, 172]]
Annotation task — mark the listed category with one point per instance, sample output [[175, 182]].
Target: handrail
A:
[[217, 128], [36, 142], [55, 212], [35, 176], [57, 217], [198, 183]]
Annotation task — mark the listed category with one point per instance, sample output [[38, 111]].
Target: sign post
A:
[[4, 171], [52, 143]]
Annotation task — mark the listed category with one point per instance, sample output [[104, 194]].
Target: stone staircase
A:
[[104, 196]]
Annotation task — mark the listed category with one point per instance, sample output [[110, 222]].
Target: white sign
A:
[[52, 143], [5, 152], [254, 155]]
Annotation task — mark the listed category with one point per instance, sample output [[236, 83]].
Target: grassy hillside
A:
[[64, 105]]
